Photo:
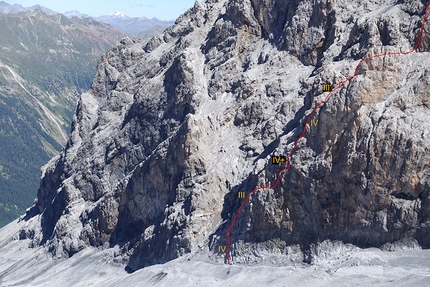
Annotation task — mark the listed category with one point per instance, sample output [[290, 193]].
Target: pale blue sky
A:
[[162, 9]]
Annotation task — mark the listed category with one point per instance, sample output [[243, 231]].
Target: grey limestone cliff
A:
[[175, 126]]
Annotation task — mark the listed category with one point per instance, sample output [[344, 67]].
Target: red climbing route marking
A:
[[307, 122]]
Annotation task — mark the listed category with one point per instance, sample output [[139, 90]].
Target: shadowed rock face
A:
[[174, 127]]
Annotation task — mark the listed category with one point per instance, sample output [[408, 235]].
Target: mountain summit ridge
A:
[[6, 8], [118, 20], [175, 127]]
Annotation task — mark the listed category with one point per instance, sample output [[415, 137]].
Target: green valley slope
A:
[[46, 62]]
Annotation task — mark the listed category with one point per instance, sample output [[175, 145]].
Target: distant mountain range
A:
[[46, 62], [149, 33], [6, 8], [75, 13], [141, 26], [136, 25]]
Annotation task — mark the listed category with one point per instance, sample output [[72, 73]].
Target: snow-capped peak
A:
[[118, 14]]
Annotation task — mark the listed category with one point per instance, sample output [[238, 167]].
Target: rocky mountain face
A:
[[174, 127], [46, 62]]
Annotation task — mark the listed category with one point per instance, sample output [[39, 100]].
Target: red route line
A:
[[307, 122]]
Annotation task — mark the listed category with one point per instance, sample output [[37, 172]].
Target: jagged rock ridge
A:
[[174, 127]]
